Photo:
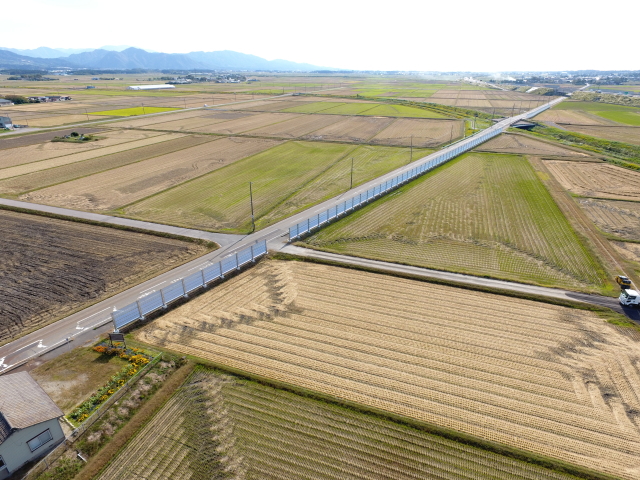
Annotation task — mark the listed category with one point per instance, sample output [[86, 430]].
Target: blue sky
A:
[[441, 35]]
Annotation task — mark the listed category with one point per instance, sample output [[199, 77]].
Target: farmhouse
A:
[[5, 122], [38, 99], [29, 426], [5, 103], [150, 87]]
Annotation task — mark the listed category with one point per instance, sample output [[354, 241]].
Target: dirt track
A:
[[51, 267]]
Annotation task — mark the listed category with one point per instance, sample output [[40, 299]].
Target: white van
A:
[[629, 298]]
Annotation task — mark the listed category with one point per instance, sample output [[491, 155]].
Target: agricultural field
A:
[[268, 433], [115, 188], [524, 145], [600, 180], [419, 132], [286, 179], [611, 122], [72, 265], [489, 101], [546, 379], [482, 214], [130, 112], [374, 109], [608, 132], [618, 218]]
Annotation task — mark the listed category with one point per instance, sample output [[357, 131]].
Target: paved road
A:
[[221, 239], [461, 278], [276, 236]]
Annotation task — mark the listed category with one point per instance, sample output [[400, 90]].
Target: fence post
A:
[[184, 289], [204, 282], [237, 263], [139, 309], [164, 303]]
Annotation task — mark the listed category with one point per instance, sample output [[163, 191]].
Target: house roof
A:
[[24, 403], [4, 100], [5, 429]]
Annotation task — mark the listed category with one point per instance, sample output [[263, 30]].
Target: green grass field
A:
[[617, 113], [482, 214], [130, 112], [371, 109], [286, 179], [220, 426]]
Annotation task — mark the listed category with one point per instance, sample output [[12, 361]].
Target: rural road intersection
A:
[[86, 324]]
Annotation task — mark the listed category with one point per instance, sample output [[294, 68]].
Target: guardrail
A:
[[182, 287], [428, 163]]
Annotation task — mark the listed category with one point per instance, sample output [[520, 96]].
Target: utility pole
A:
[[253, 223], [351, 184], [143, 110], [87, 113], [411, 151], [185, 102]]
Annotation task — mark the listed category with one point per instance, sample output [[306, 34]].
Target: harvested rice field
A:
[[352, 129], [268, 433], [419, 132], [629, 251], [618, 218], [50, 158], [541, 378], [53, 175], [615, 133], [481, 214], [115, 188], [600, 180], [72, 265], [523, 145], [571, 117], [286, 179], [371, 109]]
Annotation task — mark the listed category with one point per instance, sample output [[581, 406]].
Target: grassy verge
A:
[[142, 416]]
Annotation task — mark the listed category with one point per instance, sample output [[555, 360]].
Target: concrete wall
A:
[[15, 452]]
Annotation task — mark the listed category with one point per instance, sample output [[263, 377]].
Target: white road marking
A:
[[2, 365], [78, 327], [154, 286], [40, 345], [27, 346], [198, 267]]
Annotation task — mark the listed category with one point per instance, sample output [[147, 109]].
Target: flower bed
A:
[[137, 360]]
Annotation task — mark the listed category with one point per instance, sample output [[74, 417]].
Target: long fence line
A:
[[428, 163], [182, 287]]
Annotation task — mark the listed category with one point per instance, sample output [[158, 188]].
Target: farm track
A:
[[545, 390], [270, 433], [71, 265]]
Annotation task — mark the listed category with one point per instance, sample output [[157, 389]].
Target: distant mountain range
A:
[[126, 58]]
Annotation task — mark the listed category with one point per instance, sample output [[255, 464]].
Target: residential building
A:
[[29, 422], [150, 87], [5, 122], [5, 103]]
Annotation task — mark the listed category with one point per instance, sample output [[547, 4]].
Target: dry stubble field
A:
[[551, 380], [520, 144], [482, 214], [602, 180], [265, 433], [618, 218], [121, 186], [51, 267]]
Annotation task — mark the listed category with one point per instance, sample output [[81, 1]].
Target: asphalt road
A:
[[98, 315]]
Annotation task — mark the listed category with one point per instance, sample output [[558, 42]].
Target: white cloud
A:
[[402, 35]]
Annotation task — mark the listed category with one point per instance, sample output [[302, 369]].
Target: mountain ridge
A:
[[109, 58]]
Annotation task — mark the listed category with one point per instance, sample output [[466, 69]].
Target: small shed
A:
[[29, 422], [5, 122]]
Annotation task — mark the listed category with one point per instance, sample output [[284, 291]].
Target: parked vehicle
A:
[[629, 298], [623, 281]]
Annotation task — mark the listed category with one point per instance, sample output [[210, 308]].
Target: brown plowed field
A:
[[82, 156], [617, 134], [65, 173], [507, 143], [597, 179], [33, 139], [551, 380], [52, 267], [425, 132], [121, 186], [630, 251], [621, 219], [352, 129], [164, 118]]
